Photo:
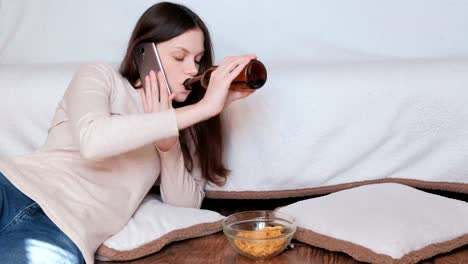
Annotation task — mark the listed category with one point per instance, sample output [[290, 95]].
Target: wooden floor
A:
[[215, 248]]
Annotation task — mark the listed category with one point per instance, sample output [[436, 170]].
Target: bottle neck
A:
[[189, 83], [200, 80]]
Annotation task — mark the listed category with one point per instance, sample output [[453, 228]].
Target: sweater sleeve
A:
[[100, 134], [178, 186]]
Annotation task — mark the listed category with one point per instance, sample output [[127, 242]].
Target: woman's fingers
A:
[[154, 91], [143, 99], [148, 93], [155, 95], [232, 64], [171, 98], [239, 67], [235, 66], [228, 58], [163, 92], [236, 95]]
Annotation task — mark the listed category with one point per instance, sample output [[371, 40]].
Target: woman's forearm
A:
[[189, 115]]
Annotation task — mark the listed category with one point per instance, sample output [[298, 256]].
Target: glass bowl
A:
[[259, 234]]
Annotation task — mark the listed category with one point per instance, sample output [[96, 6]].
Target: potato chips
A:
[[261, 248]]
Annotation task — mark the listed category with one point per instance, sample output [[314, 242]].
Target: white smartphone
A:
[[147, 58]]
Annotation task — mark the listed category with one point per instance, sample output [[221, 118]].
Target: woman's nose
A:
[[192, 69]]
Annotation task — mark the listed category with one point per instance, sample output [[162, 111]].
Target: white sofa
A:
[[346, 101]]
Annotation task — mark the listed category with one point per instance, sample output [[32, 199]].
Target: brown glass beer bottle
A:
[[253, 76]]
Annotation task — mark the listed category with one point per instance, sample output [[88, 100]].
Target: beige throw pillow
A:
[[155, 225], [382, 223]]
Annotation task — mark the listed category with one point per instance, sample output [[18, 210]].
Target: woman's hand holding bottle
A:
[[218, 95]]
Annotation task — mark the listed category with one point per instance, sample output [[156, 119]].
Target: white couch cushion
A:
[[30, 94], [311, 129]]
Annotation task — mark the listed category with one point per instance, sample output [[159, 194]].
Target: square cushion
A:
[[382, 223], [155, 225]]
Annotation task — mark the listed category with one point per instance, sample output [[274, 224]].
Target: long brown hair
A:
[[162, 22]]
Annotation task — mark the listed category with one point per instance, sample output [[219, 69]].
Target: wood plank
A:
[[215, 249]]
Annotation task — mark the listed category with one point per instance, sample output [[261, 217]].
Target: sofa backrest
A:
[[51, 31]]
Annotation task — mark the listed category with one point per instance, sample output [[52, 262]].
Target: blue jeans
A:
[[27, 235]]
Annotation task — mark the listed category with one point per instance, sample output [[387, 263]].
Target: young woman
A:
[[112, 139]]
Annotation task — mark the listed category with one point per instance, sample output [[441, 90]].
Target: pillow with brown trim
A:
[[155, 225], [382, 223]]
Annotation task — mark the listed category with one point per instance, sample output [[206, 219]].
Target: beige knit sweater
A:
[[99, 160]]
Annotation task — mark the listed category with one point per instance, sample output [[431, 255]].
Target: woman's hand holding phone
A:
[[218, 95], [157, 100]]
